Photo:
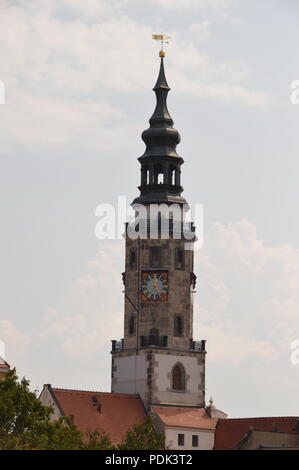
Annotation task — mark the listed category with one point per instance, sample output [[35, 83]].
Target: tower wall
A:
[[147, 372], [159, 315]]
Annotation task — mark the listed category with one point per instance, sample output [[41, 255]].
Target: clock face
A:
[[154, 286]]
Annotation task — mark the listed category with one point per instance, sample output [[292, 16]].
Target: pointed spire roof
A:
[[160, 163], [161, 81], [161, 116], [161, 138]]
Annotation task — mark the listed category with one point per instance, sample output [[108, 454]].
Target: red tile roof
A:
[[118, 411], [277, 448], [4, 364], [230, 432], [185, 417]]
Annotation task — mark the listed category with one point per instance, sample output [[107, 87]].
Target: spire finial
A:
[[164, 40]]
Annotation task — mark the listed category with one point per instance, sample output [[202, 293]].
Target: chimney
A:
[[211, 409], [96, 403]]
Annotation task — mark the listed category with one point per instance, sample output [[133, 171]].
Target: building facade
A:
[[113, 413], [4, 368]]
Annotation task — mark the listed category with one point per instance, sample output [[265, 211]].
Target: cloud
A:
[[15, 342], [51, 120], [196, 73], [200, 31], [227, 93], [224, 348], [246, 308], [218, 6], [58, 76], [73, 61], [248, 294], [247, 305], [91, 313], [95, 10]]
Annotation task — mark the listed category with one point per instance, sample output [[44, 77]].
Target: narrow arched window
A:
[[158, 174], [132, 325], [177, 178], [171, 176], [155, 256], [132, 259], [179, 258], [178, 326], [178, 378], [144, 176]]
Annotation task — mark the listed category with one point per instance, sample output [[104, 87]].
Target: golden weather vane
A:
[[164, 40]]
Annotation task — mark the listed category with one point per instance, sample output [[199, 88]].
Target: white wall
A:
[[47, 400], [192, 396], [131, 375], [205, 438]]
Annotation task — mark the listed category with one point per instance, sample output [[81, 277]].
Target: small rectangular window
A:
[[178, 326], [194, 440], [179, 258], [132, 324], [132, 259], [181, 439], [155, 256]]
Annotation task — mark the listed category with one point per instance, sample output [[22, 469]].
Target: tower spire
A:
[[158, 355], [160, 163]]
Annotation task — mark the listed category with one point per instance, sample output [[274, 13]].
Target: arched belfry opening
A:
[[145, 175], [171, 177], [178, 378], [158, 174]]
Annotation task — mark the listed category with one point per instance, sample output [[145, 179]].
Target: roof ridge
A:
[[260, 417], [3, 362], [279, 446], [190, 407], [92, 391]]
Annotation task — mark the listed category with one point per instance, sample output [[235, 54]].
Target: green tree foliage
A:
[[143, 437], [96, 440], [25, 424]]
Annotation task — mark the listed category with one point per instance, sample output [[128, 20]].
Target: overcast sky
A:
[[78, 78]]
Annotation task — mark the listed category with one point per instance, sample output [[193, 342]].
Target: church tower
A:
[[158, 358]]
